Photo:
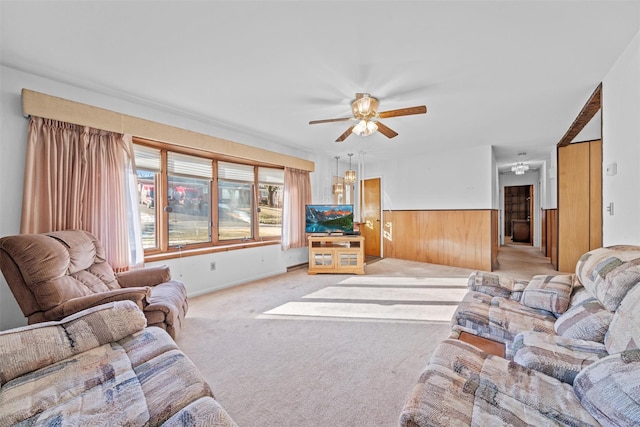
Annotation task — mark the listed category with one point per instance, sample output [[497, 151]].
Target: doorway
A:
[[518, 213], [371, 228]]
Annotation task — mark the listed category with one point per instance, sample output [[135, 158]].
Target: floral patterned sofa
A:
[[572, 350], [101, 366]]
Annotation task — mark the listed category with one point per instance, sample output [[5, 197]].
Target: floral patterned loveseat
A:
[[572, 351]]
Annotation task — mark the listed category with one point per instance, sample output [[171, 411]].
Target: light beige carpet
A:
[[322, 350]]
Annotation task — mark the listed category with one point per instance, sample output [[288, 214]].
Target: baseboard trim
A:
[[297, 266]]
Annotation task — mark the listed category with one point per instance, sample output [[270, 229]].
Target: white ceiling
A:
[[512, 74]]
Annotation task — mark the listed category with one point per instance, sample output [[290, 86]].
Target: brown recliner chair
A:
[[53, 275]]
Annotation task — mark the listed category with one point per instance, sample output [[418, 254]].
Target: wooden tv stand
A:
[[336, 254]]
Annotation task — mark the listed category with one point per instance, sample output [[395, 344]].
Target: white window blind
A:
[[235, 172], [183, 164], [271, 176], [147, 158]]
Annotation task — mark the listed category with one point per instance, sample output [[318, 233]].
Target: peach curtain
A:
[[77, 177], [297, 194]]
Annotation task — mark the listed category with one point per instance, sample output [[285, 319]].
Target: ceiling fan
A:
[[365, 112]]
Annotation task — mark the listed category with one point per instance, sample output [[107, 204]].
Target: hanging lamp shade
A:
[[350, 175]]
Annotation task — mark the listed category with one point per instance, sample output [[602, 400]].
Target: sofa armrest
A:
[[137, 295], [608, 389], [149, 276]]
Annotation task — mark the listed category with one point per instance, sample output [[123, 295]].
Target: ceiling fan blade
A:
[[345, 134], [422, 109], [386, 131], [343, 119]]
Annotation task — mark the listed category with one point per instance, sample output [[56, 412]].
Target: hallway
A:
[[522, 261]]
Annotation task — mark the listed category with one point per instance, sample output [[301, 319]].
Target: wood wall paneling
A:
[[549, 230], [456, 238], [543, 232], [552, 236], [495, 238]]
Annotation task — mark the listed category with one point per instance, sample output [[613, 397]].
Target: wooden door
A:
[[595, 195], [579, 201], [518, 207], [371, 228]]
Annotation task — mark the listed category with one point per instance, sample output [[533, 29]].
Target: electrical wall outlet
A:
[[212, 266]]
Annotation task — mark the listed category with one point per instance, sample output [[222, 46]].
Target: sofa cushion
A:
[[609, 273], [578, 294], [548, 292], [94, 387], [610, 389], [559, 357], [26, 349], [587, 320], [462, 385], [171, 381], [624, 332], [494, 285]]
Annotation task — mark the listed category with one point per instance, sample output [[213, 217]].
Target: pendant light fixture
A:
[[520, 168], [350, 175], [337, 187]]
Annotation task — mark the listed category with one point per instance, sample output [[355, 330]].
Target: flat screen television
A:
[[329, 219]]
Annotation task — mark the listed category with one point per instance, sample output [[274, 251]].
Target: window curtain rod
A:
[[51, 107]]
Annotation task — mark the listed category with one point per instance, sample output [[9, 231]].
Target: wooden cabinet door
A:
[[579, 201]]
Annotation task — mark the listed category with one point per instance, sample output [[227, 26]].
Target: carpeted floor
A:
[[329, 350]]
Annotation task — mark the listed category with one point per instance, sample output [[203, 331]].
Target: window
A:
[[270, 198], [148, 167], [188, 199], [194, 201], [235, 201]]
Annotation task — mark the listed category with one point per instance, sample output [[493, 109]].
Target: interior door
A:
[[371, 227], [579, 201]]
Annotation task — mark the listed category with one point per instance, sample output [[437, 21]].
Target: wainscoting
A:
[[458, 238], [549, 231]]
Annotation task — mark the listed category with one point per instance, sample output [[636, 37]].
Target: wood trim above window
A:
[[51, 107]]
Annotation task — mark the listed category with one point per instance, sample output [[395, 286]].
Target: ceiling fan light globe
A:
[[371, 128], [360, 128]]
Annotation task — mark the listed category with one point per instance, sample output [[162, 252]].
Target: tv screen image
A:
[[329, 218]]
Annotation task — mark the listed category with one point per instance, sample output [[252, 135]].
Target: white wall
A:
[[232, 267], [621, 145], [550, 193], [495, 188], [457, 179]]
